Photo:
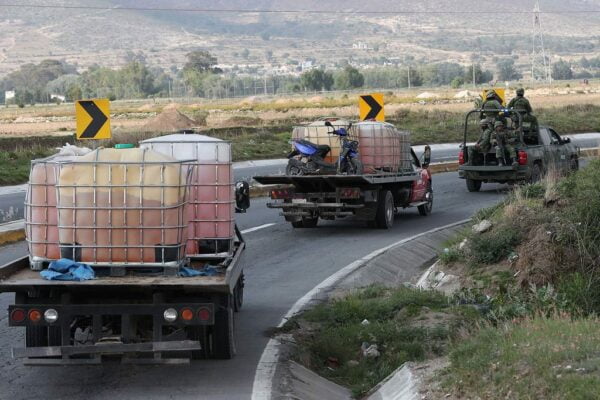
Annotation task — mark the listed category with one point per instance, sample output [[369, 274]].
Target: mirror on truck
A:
[[242, 197], [426, 157]]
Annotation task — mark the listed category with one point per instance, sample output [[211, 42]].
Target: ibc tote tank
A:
[[41, 217], [123, 206], [382, 148], [211, 204]]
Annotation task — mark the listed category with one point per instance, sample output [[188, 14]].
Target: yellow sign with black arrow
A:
[[371, 107], [93, 119]]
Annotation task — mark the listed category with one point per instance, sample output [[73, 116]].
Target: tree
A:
[[561, 70], [201, 61], [349, 78], [317, 79], [481, 76], [245, 53], [456, 83], [507, 70]]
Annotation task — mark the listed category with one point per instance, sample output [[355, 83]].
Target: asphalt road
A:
[[11, 204], [281, 265]]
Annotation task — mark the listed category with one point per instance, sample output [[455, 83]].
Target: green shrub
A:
[[493, 246]]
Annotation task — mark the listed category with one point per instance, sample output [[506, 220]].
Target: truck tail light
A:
[[17, 315], [187, 314], [204, 314], [461, 157], [522, 157], [281, 194], [349, 193], [35, 315]]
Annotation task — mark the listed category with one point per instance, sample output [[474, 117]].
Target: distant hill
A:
[[86, 37]]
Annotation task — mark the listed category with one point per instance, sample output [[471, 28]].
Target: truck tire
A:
[[223, 335], [536, 174], [384, 219], [294, 167], [574, 164], [238, 294], [297, 224], [425, 209], [473, 185], [310, 222]]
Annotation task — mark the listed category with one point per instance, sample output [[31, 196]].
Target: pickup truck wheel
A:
[[238, 294], [574, 164], [223, 339], [385, 210], [425, 209], [297, 224], [473, 185], [536, 174]]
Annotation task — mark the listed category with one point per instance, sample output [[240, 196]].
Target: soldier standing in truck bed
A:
[[523, 107], [491, 107]]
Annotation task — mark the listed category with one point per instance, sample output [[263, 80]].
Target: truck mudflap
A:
[[62, 355]]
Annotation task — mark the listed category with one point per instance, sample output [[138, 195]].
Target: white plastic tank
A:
[[211, 206], [123, 206]]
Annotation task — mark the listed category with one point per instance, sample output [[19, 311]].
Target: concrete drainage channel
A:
[[404, 261]]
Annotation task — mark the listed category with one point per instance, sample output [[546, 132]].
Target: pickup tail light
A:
[[522, 157], [461, 157]]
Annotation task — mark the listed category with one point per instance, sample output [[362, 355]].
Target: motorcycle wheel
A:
[[352, 167], [293, 168]]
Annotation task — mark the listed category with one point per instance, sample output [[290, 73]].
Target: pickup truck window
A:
[[555, 137], [545, 136]]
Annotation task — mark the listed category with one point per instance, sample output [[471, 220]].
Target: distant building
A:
[[361, 46], [307, 65], [57, 97], [9, 95]]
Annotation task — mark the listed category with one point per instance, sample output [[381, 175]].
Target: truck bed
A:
[[336, 181], [17, 276]]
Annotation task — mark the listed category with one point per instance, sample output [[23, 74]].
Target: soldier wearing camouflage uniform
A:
[[504, 143], [484, 144], [522, 105], [491, 107]]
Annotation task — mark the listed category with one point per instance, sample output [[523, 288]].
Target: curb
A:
[[12, 232]]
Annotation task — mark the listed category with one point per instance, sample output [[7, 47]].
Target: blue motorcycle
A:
[[308, 158]]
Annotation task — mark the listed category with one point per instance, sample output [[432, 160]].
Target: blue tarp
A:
[[68, 270], [190, 272]]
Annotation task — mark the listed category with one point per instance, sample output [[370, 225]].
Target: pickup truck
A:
[[539, 149]]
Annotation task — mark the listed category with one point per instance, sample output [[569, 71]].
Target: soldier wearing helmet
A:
[[520, 103], [491, 106], [484, 144], [523, 107], [504, 145]]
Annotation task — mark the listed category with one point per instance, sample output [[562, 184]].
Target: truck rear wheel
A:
[[223, 339], [297, 224], [473, 185], [310, 222], [238, 294], [384, 219], [536, 174], [425, 209]]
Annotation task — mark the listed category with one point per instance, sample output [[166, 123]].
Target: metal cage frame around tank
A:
[[318, 134], [74, 250], [213, 242], [31, 204]]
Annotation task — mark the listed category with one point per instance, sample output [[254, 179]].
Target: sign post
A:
[[93, 119]]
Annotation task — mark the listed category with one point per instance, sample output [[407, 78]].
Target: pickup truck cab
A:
[[539, 149]]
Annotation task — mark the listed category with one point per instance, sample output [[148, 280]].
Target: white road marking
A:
[[267, 365], [257, 228]]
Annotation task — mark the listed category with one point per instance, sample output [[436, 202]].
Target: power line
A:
[[282, 11]]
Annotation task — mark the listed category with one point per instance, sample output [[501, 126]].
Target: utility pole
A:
[[409, 76], [540, 65]]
